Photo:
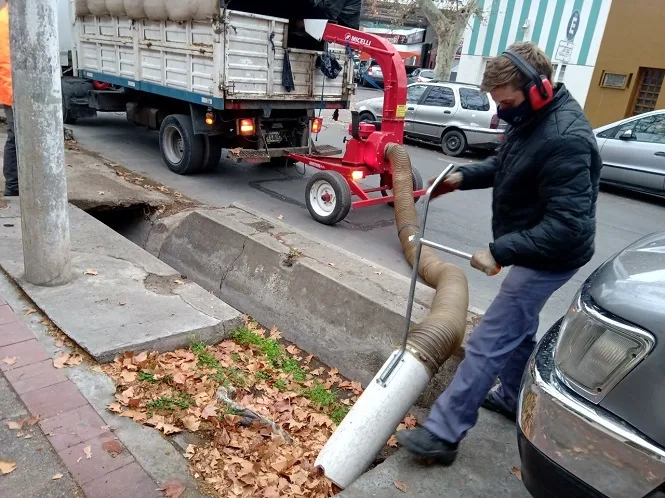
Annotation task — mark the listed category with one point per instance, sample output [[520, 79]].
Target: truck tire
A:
[[182, 150], [212, 153], [328, 197], [73, 87]]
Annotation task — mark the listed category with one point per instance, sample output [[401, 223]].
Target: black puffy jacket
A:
[[545, 178]]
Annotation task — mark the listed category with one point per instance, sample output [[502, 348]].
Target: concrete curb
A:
[[346, 310]]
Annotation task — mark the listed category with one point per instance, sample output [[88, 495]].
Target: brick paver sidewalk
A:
[[72, 426]]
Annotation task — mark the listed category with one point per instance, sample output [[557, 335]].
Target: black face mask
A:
[[515, 115]]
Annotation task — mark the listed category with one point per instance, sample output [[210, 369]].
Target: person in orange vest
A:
[[10, 167]]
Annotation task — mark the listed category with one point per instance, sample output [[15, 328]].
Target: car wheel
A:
[[366, 117], [453, 143]]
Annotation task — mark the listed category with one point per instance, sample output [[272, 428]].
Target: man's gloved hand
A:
[[450, 184], [484, 261]]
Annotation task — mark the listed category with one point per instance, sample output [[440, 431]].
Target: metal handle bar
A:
[[420, 241]]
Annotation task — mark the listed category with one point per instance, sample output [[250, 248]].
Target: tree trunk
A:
[[449, 27]]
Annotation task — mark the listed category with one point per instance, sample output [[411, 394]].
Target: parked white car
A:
[[457, 116]]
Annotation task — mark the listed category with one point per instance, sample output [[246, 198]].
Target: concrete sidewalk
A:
[[120, 298], [67, 422]]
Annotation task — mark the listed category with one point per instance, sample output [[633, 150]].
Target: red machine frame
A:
[[364, 154]]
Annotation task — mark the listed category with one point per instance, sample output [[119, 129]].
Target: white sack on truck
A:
[[155, 10]]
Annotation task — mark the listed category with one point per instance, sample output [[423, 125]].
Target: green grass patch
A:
[[261, 375], [280, 384], [338, 414], [171, 403], [147, 377]]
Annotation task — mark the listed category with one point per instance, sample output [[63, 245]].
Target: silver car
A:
[[455, 115], [633, 152], [421, 76], [591, 405]]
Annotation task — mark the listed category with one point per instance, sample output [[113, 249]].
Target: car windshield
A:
[[427, 74], [474, 100]]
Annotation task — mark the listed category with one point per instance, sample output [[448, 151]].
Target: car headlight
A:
[[595, 350]]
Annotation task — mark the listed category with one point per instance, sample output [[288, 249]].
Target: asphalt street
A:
[[461, 220]]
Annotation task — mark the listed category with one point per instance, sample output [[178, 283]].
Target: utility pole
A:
[[39, 140]]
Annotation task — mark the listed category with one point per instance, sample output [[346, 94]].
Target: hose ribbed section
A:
[[441, 333]]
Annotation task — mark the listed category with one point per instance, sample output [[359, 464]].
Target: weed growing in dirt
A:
[[320, 397], [205, 358], [147, 377], [263, 375], [171, 403]]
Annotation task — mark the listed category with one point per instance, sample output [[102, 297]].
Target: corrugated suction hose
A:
[[441, 333]]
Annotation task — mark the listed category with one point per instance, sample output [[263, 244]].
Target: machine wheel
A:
[[453, 143], [182, 150], [417, 185], [328, 197], [212, 153]]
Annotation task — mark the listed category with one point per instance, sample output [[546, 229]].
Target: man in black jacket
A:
[[545, 179]]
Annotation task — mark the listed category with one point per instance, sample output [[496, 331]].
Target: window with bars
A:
[[648, 90]]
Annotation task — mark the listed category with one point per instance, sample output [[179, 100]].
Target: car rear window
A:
[[426, 74], [474, 100]]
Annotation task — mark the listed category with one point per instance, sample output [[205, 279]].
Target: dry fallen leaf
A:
[[75, 359], [280, 217], [59, 362], [113, 447], [9, 361], [378, 272], [179, 282], [78, 460], [392, 442], [172, 489], [91, 272], [30, 311], [410, 421], [516, 472], [331, 264], [32, 420], [6, 466], [191, 423], [128, 376], [105, 427], [100, 192], [401, 486], [88, 452], [56, 477], [15, 426], [209, 411]]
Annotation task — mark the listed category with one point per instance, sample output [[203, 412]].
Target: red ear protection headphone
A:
[[538, 90]]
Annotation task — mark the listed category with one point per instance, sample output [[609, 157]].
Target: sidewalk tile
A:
[[6, 314], [11, 333], [52, 400], [35, 376], [128, 481], [73, 427], [98, 465], [26, 353]]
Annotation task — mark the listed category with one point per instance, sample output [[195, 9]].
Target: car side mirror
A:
[[627, 135]]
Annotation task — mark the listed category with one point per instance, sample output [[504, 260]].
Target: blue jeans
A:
[[499, 347]]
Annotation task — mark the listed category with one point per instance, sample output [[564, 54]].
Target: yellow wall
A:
[[634, 37]]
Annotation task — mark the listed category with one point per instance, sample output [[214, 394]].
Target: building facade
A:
[[569, 31], [608, 53]]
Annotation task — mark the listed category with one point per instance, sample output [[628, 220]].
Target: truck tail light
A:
[[246, 127], [317, 124], [495, 122], [210, 118]]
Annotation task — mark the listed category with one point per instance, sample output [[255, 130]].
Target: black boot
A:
[[424, 444], [493, 403]]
